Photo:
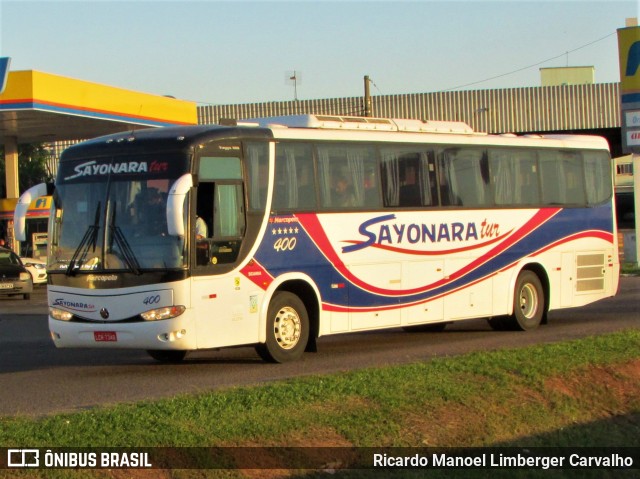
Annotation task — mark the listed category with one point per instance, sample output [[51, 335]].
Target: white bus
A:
[[320, 225]]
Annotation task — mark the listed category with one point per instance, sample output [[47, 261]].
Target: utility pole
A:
[[294, 79], [367, 97]]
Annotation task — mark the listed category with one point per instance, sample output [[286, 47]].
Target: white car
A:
[[36, 268]]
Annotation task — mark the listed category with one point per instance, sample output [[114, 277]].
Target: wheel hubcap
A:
[[287, 328], [528, 301]]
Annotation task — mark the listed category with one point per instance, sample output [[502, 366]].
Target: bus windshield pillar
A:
[[175, 204]]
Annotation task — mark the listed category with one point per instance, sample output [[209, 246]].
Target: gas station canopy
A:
[[40, 107], [37, 107]]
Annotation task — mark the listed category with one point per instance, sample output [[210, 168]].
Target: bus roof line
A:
[[331, 122], [353, 123]]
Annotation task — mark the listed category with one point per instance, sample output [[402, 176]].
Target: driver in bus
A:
[[201, 228], [148, 213]]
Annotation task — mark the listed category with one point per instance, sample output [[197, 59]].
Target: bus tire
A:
[[167, 356], [528, 302], [287, 329]]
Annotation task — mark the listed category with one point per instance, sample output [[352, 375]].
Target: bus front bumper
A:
[[171, 334]]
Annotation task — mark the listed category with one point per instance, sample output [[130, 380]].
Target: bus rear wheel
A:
[[167, 356], [528, 302], [287, 329]]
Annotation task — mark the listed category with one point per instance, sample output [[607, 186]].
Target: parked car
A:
[[14, 277], [37, 268]]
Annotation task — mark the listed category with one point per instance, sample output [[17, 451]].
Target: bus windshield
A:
[[114, 223]]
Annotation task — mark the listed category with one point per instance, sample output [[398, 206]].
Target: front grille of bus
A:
[[79, 319]]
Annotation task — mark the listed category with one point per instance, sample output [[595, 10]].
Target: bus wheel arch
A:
[[291, 322]]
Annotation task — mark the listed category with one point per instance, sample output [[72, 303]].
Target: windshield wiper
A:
[[127, 253], [88, 240]]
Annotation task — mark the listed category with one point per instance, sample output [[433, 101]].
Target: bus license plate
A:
[[102, 336]]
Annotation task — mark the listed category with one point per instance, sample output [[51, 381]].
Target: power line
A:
[[375, 86], [207, 103], [531, 66]]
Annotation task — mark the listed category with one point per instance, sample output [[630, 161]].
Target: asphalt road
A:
[[38, 379]]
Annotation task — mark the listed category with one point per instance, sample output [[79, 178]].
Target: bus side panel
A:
[[588, 274], [565, 280], [431, 310], [226, 310], [378, 317], [473, 300]]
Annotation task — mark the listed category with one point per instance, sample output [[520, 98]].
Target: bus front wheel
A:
[[528, 302], [287, 329]]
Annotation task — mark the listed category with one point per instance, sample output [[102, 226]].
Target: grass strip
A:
[[580, 393]]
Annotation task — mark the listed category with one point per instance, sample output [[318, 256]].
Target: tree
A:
[[32, 167]]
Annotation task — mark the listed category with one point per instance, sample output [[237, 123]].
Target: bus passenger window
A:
[[345, 176], [447, 195], [408, 177], [514, 176], [465, 178], [294, 185], [410, 189], [257, 160], [574, 175], [306, 186], [597, 169], [371, 185]]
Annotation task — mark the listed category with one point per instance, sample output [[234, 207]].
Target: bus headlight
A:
[[60, 314], [162, 313]]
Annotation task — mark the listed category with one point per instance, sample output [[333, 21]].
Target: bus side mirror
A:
[[20, 214], [175, 204]]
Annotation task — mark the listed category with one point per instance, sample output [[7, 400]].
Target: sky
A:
[[227, 52]]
